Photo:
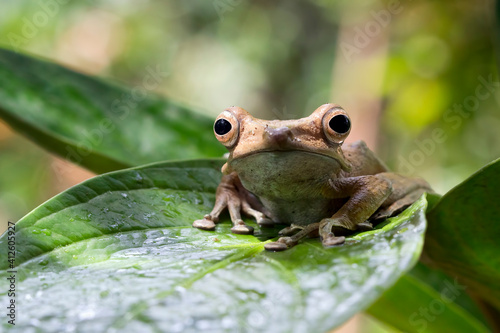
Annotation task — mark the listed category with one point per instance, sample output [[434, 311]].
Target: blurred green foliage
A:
[[277, 60], [24, 179]]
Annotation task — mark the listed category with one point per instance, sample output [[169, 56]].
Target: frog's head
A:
[[321, 134]]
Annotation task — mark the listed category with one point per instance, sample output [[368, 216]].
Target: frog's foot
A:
[[330, 228], [338, 225], [284, 243], [332, 231], [281, 244], [263, 221], [241, 228], [365, 226], [291, 230], [331, 240], [207, 223]]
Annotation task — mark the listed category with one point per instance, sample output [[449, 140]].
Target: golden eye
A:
[[226, 129], [336, 125]]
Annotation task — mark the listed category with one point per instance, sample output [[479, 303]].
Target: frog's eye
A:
[[336, 125], [222, 126], [226, 129], [340, 124]]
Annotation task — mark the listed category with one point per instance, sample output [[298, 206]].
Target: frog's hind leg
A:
[[405, 191], [397, 206], [291, 230], [284, 243]]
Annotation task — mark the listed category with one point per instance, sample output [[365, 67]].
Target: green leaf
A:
[[425, 306], [463, 233], [118, 252], [411, 305], [99, 125], [440, 282]]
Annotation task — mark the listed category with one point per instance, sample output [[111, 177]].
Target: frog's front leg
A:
[[284, 243], [366, 194], [232, 195]]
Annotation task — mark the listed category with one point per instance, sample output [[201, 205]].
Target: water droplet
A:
[[138, 178]]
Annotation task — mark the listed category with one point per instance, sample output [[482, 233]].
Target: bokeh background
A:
[[419, 78]]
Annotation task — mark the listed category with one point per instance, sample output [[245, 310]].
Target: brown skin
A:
[[295, 172]]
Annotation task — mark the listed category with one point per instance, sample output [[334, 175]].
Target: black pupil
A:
[[222, 126], [340, 124]]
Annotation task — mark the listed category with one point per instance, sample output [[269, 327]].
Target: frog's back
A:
[[362, 160]]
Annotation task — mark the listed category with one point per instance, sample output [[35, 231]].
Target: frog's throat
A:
[[339, 157]]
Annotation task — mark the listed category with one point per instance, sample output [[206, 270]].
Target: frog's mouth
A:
[[288, 174], [336, 155], [276, 163]]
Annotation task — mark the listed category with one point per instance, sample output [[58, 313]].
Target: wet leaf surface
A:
[[118, 252]]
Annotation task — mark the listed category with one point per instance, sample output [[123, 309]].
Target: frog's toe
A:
[[365, 226], [265, 222], [204, 224], [337, 225], [275, 246], [331, 240], [289, 231], [281, 244], [241, 228]]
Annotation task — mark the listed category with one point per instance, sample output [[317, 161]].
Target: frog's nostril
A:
[[279, 135]]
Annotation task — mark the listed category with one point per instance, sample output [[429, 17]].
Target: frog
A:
[[301, 173]]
